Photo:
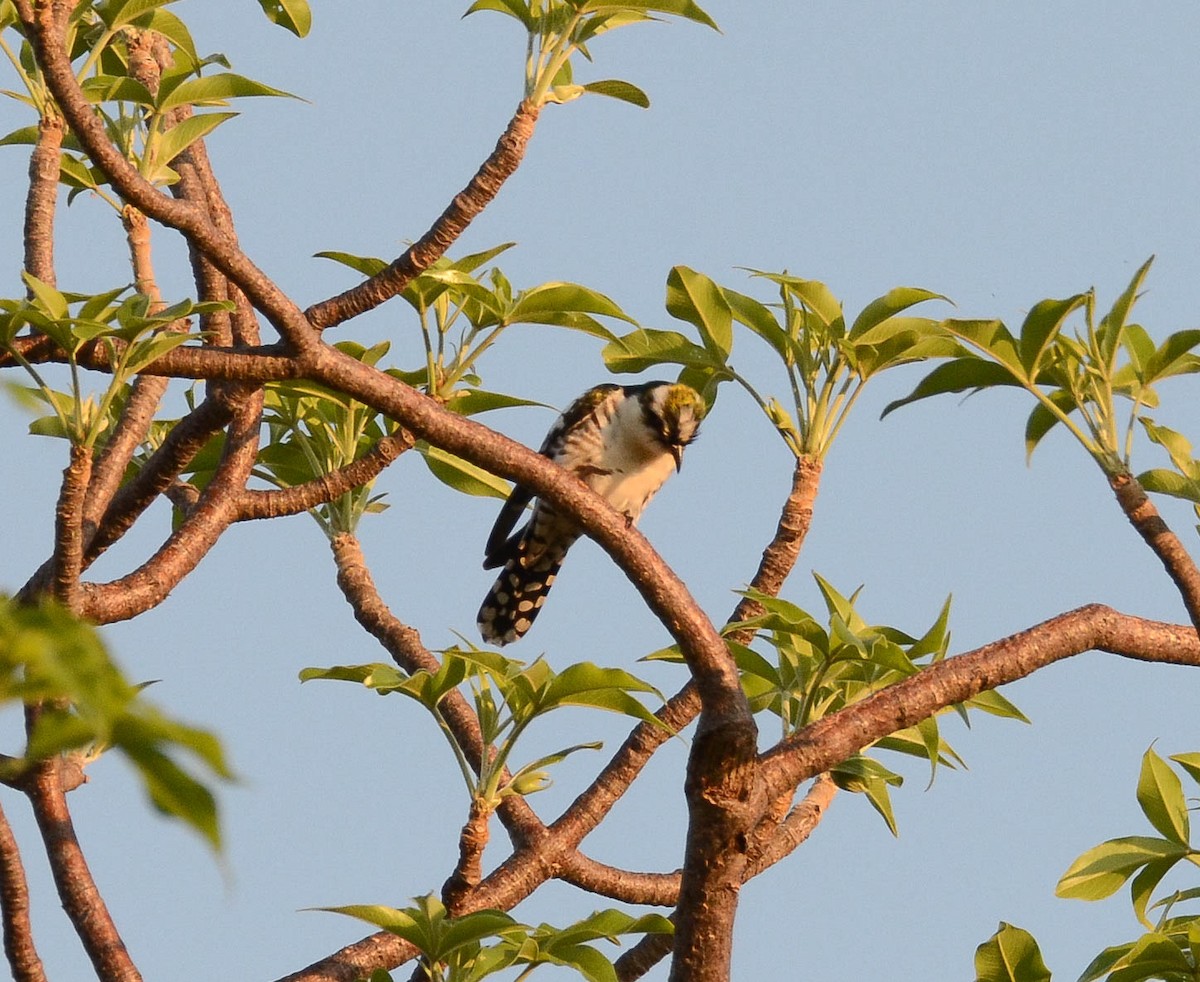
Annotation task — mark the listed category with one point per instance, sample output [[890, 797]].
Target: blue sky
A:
[[997, 154]]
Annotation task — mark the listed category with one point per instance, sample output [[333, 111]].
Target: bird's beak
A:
[[677, 453]]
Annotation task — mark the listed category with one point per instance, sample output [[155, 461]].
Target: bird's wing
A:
[[502, 540]]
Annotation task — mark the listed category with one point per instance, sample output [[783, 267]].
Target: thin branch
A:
[[326, 488], [19, 948], [67, 560], [466, 206], [468, 871], [832, 739], [628, 886], [796, 827], [77, 889], [149, 584], [1145, 519], [42, 199], [404, 644]]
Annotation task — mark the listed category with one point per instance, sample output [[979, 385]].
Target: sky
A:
[[997, 154]]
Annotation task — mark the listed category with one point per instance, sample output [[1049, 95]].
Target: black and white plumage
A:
[[623, 441]]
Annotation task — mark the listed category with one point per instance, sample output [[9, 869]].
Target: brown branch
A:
[[468, 872], [67, 561], [326, 488], [832, 739], [778, 560], [643, 956], [404, 644], [628, 886], [796, 827], [149, 584], [1145, 519], [260, 363], [14, 909], [42, 198], [466, 206], [77, 889]]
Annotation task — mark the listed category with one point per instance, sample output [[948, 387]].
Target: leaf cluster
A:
[[816, 668], [508, 696], [557, 30], [826, 363], [133, 330], [1075, 377], [452, 948]]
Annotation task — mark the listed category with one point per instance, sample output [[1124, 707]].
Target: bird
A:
[[622, 441]]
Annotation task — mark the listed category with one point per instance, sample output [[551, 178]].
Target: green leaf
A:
[[891, 303], [1042, 420], [678, 8], [367, 265], [647, 348], [1010, 955], [1100, 871], [1160, 794], [518, 9], [294, 15], [186, 132], [1041, 327], [50, 300], [759, 318], [216, 89], [615, 88], [1142, 886], [959, 375], [461, 474], [1190, 763], [695, 298]]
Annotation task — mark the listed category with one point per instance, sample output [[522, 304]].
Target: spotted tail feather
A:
[[515, 598]]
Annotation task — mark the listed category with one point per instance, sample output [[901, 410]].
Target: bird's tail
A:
[[511, 605]]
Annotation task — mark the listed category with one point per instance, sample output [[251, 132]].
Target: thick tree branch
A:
[[778, 560], [468, 871], [832, 739], [1145, 519], [465, 207], [261, 363], [19, 948]]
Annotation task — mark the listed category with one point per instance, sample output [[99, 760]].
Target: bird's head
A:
[[673, 412]]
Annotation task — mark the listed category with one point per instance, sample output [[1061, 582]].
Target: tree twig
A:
[[19, 947]]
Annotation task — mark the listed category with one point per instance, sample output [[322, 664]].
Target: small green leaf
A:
[[891, 303], [1010, 955], [461, 474], [216, 89], [1160, 794], [647, 348], [1040, 328], [615, 88], [959, 375], [186, 132], [294, 15], [1101, 871], [695, 298]]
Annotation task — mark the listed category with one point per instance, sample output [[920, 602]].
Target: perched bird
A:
[[623, 441]]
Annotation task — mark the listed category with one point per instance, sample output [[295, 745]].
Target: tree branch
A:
[[66, 563], [466, 206], [150, 583], [830, 740], [77, 890], [14, 909], [326, 488], [42, 199], [1145, 519]]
